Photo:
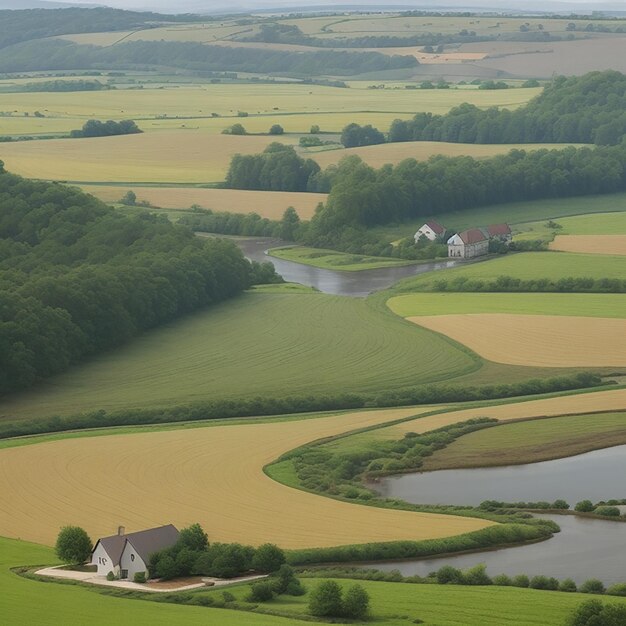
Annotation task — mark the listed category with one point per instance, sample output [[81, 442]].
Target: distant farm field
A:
[[182, 156], [536, 340], [379, 155], [590, 244], [532, 441], [269, 345], [331, 259], [526, 266], [270, 204], [610, 223], [180, 475]]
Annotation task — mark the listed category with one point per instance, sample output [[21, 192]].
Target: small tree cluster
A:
[[283, 582], [73, 545], [328, 600]]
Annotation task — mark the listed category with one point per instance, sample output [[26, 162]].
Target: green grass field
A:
[[593, 224], [333, 260], [268, 344], [526, 265], [532, 441], [28, 603], [580, 304], [519, 214]]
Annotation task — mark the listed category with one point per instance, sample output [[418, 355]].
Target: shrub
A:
[[295, 588], [260, 592], [228, 596], [521, 580], [356, 603], [502, 580], [283, 579], [325, 600], [268, 558], [560, 504], [139, 577], [277, 129], [73, 545], [476, 575], [166, 568], [618, 589], [584, 506], [593, 585], [110, 576], [543, 582], [193, 538], [449, 575], [607, 511], [594, 613], [567, 585]]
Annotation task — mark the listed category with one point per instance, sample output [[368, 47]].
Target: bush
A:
[[449, 575], [111, 576], [567, 585], [260, 592], [356, 603], [476, 575], [502, 580], [584, 506], [618, 589], [607, 511], [228, 596], [268, 558], [521, 580], [544, 583], [594, 613], [295, 588], [277, 129], [325, 600], [139, 577], [593, 585], [73, 545]]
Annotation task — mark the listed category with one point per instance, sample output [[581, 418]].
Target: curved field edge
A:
[[533, 440]]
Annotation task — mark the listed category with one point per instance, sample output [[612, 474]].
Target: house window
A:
[[124, 573], [132, 557]]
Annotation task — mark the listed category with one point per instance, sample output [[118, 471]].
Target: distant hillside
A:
[[37, 23]]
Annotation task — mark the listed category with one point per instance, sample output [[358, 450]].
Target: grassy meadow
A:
[[532, 441], [261, 344], [330, 259], [611, 223]]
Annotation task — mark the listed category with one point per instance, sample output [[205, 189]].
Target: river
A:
[[585, 548], [336, 282]]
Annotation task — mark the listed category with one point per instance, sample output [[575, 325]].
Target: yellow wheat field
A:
[[591, 244], [270, 204], [550, 407], [210, 475], [377, 156], [536, 340], [179, 156]]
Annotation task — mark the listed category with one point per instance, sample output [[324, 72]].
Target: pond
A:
[[597, 475], [585, 548], [336, 282]]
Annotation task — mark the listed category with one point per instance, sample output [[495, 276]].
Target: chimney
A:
[[120, 531]]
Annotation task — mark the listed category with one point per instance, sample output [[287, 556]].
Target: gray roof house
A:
[[125, 555]]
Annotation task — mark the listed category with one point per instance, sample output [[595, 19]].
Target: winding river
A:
[[335, 282], [585, 548]]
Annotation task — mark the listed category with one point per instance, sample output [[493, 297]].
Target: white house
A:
[[430, 230], [126, 555], [468, 244]]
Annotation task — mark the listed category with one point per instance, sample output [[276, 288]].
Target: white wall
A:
[[132, 562], [103, 561]]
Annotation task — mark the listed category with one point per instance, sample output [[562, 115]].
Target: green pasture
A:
[[525, 266], [594, 224], [579, 304], [333, 260], [442, 605], [28, 603], [522, 215], [261, 344], [533, 440]]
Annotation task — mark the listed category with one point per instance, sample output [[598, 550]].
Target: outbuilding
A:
[[468, 244], [431, 230]]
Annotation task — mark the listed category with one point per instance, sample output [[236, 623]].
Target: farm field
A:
[[53, 601], [330, 259], [270, 204], [610, 223], [261, 344], [536, 340], [179, 475], [532, 441], [583, 304], [380, 155], [526, 266], [590, 244]]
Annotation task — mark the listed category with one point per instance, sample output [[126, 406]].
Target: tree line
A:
[[78, 278], [96, 128], [57, 54]]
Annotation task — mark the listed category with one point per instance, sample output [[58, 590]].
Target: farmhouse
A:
[[468, 244], [126, 555], [430, 230], [501, 232]]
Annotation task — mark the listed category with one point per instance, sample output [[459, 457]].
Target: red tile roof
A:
[[473, 235], [436, 227], [496, 230]]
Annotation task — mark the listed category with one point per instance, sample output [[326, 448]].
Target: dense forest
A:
[[57, 54], [77, 278], [585, 109], [24, 25]]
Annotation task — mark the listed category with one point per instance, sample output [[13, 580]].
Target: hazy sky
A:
[[178, 5]]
